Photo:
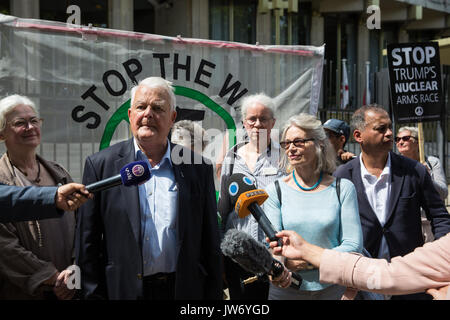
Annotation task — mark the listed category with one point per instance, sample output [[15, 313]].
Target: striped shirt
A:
[[265, 171]]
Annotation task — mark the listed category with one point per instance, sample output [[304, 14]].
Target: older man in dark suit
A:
[[159, 240], [391, 189]]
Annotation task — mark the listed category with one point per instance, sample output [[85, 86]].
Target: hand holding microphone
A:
[[254, 257], [247, 199], [71, 196], [132, 174]]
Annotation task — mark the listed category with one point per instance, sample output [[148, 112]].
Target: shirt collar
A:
[[386, 170], [272, 145], [139, 155]]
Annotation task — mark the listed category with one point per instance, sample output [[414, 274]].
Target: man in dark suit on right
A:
[[391, 189]]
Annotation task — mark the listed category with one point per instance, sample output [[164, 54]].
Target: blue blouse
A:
[[319, 219]]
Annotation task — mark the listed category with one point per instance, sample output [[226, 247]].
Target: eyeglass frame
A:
[[404, 138], [301, 143], [26, 122], [263, 121]]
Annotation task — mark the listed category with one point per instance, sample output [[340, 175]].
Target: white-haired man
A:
[[158, 240], [257, 157]]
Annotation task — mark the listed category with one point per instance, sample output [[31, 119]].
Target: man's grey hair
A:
[[413, 130], [260, 98], [156, 82], [324, 150], [358, 121], [189, 134], [8, 103]]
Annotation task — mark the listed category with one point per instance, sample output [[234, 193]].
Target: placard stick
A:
[[421, 143]]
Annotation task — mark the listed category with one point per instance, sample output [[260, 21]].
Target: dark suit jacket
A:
[[411, 189], [27, 203], [109, 232]]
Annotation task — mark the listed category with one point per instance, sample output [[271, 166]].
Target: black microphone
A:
[[132, 174], [253, 256], [247, 199]]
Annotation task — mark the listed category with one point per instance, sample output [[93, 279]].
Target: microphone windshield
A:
[[239, 183], [135, 173], [250, 254]]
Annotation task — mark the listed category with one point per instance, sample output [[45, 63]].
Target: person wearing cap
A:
[[338, 132]]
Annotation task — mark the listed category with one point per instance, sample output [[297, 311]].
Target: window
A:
[[390, 35], [423, 35], [340, 39], [300, 30], [144, 17], [4, 7], [233, 20], [330, 66]]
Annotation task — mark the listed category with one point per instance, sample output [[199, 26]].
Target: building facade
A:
[[354, 30]]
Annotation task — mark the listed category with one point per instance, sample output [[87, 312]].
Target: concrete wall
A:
[[121, 14], [25, 8], [176, 20]]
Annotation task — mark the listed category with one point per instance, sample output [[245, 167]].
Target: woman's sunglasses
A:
[[405, 138]]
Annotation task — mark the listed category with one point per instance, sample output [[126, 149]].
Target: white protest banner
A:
[[415, 80], [80, 79]]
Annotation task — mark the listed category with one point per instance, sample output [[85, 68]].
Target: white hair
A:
[[189, 134], [326, 156], [260, 98], [156, 82], [8, 103], [413, 130]]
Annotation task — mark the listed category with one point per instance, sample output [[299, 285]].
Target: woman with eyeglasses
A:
[[308, 203], [34, 254], [407, 142]]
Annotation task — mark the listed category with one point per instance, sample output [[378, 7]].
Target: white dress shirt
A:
[[378, 191], [158, 198]]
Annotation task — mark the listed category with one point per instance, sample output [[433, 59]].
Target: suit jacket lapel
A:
[[364, 205], [397, 179], [183, 194], [130, 195]]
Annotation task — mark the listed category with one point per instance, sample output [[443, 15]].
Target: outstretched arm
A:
[[424, 268]]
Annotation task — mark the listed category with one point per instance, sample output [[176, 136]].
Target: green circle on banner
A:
[[121, 114]]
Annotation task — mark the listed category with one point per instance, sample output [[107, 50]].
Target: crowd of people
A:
[[341, 216]]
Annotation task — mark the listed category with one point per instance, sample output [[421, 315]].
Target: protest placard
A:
[[415, 81]]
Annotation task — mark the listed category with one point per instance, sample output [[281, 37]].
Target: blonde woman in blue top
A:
[[310, 205]]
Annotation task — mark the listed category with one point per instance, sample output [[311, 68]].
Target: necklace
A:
[[38, 177], [308, 189]]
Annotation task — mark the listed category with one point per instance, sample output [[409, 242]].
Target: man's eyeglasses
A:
[[23, 123], [251, 121], [297, 142], [404, 138]]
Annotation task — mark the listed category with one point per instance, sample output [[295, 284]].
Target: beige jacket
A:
[[32, 251], [424, 268]]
